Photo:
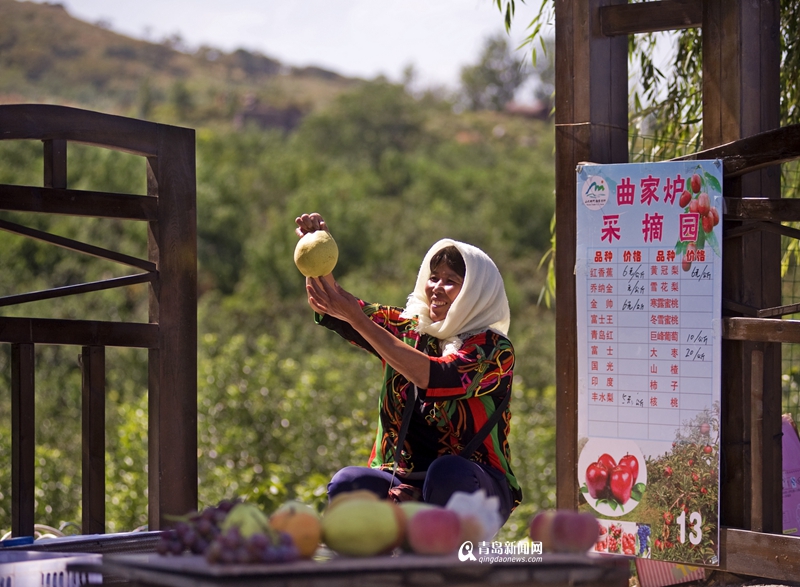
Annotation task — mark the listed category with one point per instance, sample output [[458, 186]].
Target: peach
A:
[[434, 531]]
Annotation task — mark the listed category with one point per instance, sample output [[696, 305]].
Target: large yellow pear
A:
[[316, 253], [363, 527]]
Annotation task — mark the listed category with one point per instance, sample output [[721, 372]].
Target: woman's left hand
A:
[[327, 297]]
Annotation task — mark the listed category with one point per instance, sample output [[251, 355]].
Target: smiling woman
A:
[[448, 367]]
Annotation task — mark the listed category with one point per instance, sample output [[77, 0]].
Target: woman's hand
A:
[[309, 223], [327, 297]]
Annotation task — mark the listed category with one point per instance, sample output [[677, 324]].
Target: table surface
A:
[[553, 570]]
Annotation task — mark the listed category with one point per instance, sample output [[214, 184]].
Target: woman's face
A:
[[442, 289]]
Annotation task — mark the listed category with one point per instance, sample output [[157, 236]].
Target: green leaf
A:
[[638, 491], [711, 238], [712, 182], [584, 489]]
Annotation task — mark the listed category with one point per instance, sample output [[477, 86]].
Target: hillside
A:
[[47, 55]]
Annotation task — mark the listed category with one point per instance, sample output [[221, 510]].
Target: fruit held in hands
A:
[[316, 253], [363, 527], [434, 531], [301, 522]]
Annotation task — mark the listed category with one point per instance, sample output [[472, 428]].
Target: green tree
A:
[[493, 81]]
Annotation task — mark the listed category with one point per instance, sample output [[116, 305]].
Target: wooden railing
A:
[[170, 335]]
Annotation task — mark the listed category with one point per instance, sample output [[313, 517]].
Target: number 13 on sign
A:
[[695, 519]]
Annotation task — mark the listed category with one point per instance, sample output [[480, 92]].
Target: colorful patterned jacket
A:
[[463, 391]]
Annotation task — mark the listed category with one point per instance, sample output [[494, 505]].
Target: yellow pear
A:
[[363, 527], [316, 253], [357, 494]]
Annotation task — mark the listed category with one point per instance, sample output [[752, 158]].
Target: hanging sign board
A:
[[648, 290]]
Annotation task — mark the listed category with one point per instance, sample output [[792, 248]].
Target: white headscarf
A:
[[480, 305]]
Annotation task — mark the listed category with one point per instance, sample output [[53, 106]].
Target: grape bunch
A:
[[233, 548], [196, 531], [644, 533]]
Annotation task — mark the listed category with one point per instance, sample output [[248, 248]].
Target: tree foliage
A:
[[493, 81]]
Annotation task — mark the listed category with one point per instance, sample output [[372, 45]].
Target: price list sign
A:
[[648, 290]]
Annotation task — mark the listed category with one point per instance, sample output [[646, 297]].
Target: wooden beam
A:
[[770, 556], [650, 17], [591, 125], [78, 246], [78, 332], [55, 163], [776, 210], [761, 329], [93, 438], [172, 400], [80, 288], [77, 202], [50, 122], [23, 439], [741, 98], [754, 152]]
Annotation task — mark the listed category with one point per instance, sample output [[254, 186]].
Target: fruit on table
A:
[[358, 494], [302, 523], [564, 531], [316, 253], [363, 527], [434, 531]]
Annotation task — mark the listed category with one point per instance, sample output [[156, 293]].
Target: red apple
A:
[[574, 532], [705, 428], [633, 464], [434, 531], [607, 461], [564, 531], [597, 480], [541, 529], [621, 483]]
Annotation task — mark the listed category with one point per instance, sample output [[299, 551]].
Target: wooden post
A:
[[93, 439], [591, 125], [23, 439], [741, 97], [172, 412]]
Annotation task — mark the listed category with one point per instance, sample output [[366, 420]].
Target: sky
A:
[[359, 38]]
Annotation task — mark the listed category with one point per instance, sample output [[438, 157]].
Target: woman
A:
[[448, 368]]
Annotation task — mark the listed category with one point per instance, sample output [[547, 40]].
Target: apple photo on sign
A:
[[612, 475]]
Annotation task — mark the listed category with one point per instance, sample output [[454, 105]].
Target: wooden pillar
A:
[[23, 439], [93, 439], [172, 411], [741, 97], [591, 125]]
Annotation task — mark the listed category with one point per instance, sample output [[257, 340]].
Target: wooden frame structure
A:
[[170, 335], [741, 99]]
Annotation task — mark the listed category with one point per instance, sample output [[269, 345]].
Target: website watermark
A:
[[524, 551]]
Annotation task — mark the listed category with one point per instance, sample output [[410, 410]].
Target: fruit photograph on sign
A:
[[675, 516], [614, 480]]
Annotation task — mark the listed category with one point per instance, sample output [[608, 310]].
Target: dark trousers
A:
[[445, 476]]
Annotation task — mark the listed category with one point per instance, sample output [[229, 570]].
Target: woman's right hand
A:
[[309, 223]]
